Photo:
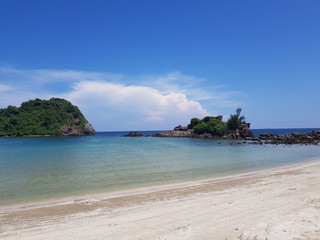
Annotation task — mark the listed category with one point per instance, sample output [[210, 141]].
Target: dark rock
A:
[[297, 134], [265, 135], [293, 138], [134, 134], [174, 133], [180, 128], [88, 130], [70, 130]]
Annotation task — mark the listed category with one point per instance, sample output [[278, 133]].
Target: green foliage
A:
[[193, 122], [210, 125], [234, 122], [215, 126], [39, 117]]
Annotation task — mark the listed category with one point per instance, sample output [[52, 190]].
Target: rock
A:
[[71, 131], [180, 128], [297, 134], [245, 131], [76, 121], [134, 134], [265, 135], [293, 138], [173, 133], [88, 130]]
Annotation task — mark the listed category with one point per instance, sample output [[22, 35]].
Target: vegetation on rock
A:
[[235, 120], [215, 126], [54, 117], [211, 125]]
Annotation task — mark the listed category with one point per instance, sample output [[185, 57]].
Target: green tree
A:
[[40, 117], [235, 120], [210, 125], [194, 122]]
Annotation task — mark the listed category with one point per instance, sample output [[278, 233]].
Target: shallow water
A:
[[42, 168]]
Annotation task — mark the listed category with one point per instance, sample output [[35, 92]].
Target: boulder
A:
[[173, 133], [133, 134], [180, 128]]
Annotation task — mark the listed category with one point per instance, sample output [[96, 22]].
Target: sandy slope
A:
[[278, 204]]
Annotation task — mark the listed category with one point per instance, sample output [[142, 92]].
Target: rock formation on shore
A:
[[312, 138], [244, 133]]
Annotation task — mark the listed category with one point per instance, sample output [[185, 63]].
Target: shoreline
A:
[[282, 202], [127, 192]]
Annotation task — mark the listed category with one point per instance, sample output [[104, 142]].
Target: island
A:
[[236, 128], [36, 118], [213, 127]]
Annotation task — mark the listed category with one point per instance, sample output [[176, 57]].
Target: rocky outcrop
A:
[[133, 134], [73, 130], [180, 128], [312, 138], [243, 133], [176, 133]]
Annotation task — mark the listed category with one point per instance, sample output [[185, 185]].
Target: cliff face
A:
[[54, 117]]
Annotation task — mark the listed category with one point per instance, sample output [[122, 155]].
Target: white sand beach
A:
[[281, 203]]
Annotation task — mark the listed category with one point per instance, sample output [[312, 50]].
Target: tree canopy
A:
[[234, 122], [40, 117], [215, 126]]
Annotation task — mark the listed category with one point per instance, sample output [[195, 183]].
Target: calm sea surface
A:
[[43, 168]]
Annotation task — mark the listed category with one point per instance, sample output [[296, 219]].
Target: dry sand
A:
[[273, 204]]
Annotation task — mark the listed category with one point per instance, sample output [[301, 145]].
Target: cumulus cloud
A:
[[145, 104], [116, 101]]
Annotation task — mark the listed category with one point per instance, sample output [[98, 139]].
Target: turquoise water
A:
[[42, 168]]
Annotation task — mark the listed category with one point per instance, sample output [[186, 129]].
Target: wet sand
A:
[[281, 203]]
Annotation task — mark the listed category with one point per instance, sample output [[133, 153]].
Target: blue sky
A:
[[148, 65]]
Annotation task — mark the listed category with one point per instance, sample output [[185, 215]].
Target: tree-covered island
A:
[[213, 127], [237, 128], [54, 117]]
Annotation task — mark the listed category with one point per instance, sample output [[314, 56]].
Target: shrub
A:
[[194, 122], [210, 125]]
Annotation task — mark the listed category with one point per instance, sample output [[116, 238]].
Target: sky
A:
[[152, 65]]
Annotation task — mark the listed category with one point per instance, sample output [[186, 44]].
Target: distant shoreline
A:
[[256, 132]]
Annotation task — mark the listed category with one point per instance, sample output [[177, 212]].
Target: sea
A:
[[33, 169]]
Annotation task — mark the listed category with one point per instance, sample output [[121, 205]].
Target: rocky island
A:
[[35, 118], [236, 128], [213, 127]]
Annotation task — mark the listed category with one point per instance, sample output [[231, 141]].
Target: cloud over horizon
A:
[[115, 101]]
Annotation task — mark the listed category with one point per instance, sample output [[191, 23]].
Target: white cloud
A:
[[119, 102], [154, 118], [4, 88], [145, 104]]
